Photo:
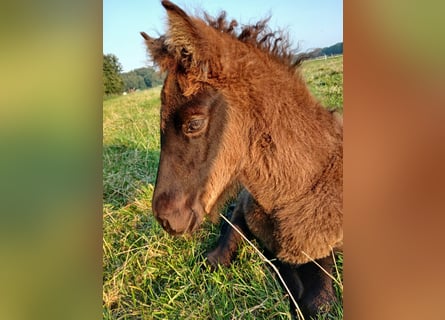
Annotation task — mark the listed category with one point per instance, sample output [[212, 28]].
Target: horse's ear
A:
[[157, 50], [145, 36], [184, 37]]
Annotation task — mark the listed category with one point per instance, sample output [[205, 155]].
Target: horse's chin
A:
[[196, 217]]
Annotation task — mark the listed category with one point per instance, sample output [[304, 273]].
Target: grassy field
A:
[[148, 274], [325, 80]]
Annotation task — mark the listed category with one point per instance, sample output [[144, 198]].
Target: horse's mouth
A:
[[192, 223]]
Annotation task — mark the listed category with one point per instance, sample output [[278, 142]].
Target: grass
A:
[[325, 80], [148, 274]]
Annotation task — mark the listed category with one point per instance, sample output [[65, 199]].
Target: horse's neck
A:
[[306, 153]]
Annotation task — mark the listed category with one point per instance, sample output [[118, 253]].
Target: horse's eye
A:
[[193, 125]]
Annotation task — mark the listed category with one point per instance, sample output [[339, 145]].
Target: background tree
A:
[[112, 81], [332, 50], [142, 78]]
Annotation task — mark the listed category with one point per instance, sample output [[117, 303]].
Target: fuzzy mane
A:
[[259, 35]]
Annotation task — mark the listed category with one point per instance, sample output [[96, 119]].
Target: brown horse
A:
[[236, 114]]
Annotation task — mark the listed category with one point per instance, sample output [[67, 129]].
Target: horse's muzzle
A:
[[174, 215]]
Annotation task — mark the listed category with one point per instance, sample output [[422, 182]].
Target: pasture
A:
[[148, 274]]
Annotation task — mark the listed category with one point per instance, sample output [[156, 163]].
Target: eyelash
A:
[[193, 126]]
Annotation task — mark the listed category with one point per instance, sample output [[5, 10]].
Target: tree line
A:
[[332, 50], [116, 82]]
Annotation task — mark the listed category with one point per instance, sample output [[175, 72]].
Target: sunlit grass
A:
[[325, 80]]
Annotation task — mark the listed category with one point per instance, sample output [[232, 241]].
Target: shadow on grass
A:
[[125, 171]]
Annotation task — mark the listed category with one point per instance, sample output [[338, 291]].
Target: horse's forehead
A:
[[171, 93], [172, 98]]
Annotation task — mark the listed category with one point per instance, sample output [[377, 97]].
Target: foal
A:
[[236, 114]]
